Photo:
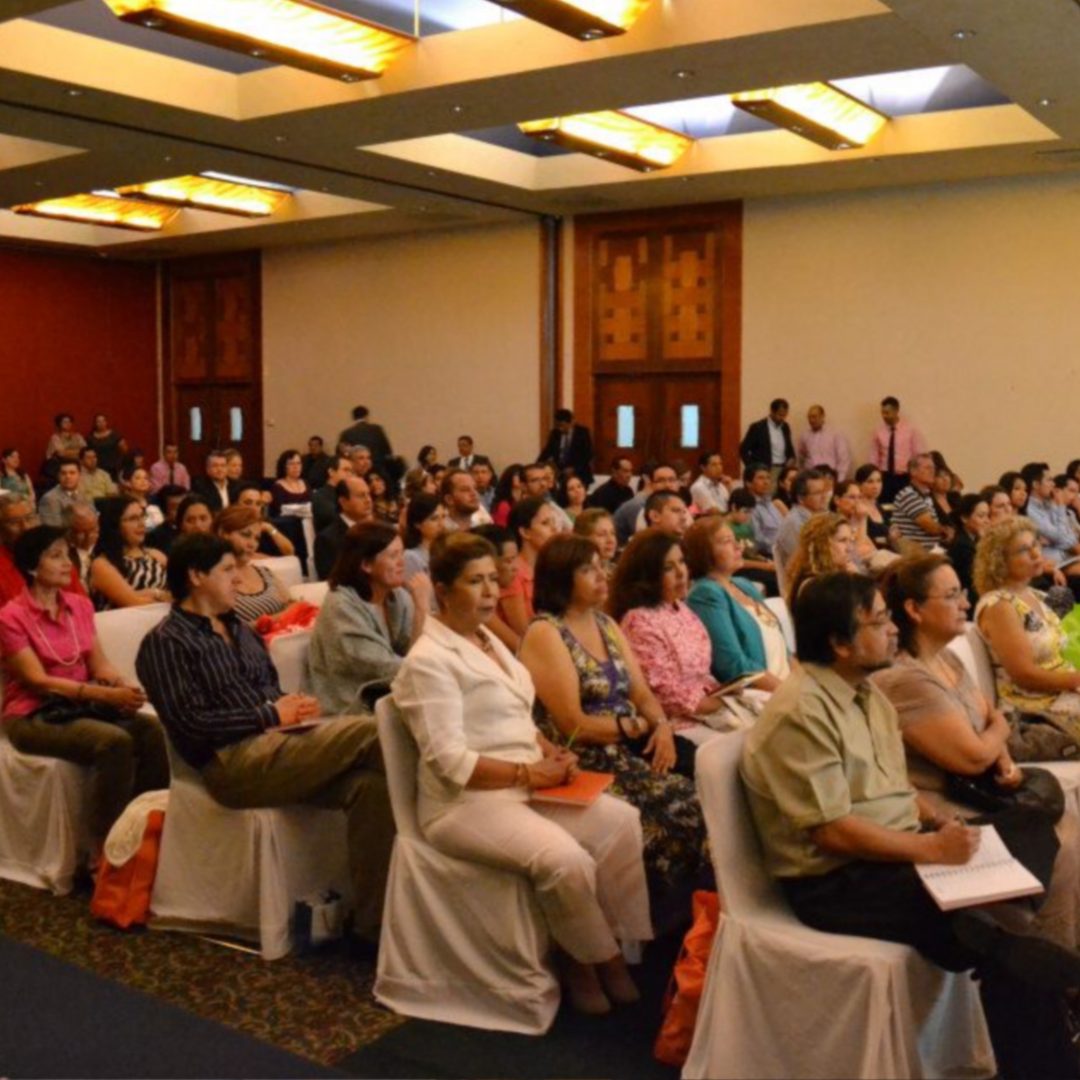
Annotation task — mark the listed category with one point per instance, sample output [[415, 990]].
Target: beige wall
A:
[[961, 300], [437, 334]]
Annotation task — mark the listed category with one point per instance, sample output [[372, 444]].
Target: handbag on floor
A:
[[122, 893]]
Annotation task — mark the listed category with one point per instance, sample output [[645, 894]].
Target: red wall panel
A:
[[77, 335]]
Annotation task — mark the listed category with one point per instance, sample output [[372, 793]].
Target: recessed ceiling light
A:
[[964, 35], [281, 138], [1045, 102], [74, 91], [683, 73], [457, 109]]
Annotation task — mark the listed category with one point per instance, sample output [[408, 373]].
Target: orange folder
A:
[[585, 789]]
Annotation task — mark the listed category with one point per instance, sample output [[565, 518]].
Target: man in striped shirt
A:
[[212, 683], [914, 513]]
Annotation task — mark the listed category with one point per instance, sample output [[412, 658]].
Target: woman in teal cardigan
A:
[[746, 636]]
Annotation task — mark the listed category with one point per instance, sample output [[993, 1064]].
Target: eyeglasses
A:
[[133, 519], [953, 596], [877, 622]]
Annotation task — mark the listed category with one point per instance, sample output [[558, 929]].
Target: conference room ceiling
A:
[[973, 88]]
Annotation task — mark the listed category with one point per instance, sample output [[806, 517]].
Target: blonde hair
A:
[[992, 553], [814, 553]]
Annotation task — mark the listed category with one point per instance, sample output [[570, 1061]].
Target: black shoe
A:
[[1032, 960]]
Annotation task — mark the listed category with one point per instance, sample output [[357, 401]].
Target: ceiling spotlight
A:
[[683, 73], [585, 20], [73, 91], [1045, 102], [964, 35]]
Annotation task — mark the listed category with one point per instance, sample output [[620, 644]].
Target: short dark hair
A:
[[1007, 481], [362, 542], [84, 450], [657, 500], [559, 559], [199, 551], [753, 469], [188, 502], [621, 457], [32, 545], [1033, 471], [465, 438], [283, 459], [864, 472], [167, 492], [705, 458], [966, 506], [742, 499], [446, 485], [335, 465], [496, 535], [1061, 480], [452, 552], [315, 438], [522, 514], [909, 579], [110, 543], [827, 613], [563, 416], [802, 481], [67, 462], [778, 403], [421, 507], [641, 567], [360, 412], [654, 467], [59, 418], [890, 402]]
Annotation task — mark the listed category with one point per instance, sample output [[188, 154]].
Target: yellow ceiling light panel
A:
[[102, 209], [816, 111], [585, 19], [225, 195], [299, 33], [615, 136]]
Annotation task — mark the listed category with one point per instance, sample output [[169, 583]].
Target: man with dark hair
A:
[[894, 444], [765, 518], [94, 482], [52, 504], [712, 489], [467, 456], [630, 517], [768, 441], [1048, 514], [169, 499], [826, 779], [324, 501], [353, 501], [212, 683], [365, 432], [569, 446], [215, 487], [168, 471], [315, 463], [617, 489], [808, 491], [666, 511]]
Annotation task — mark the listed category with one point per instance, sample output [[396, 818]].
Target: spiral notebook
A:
[[583, 790], [993, 874]]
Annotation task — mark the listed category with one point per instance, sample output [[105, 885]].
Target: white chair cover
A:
[[240, 872], [120, 633], [289, 654], [778, 606], [461, 943], [314, 592], [286, 568], [782, 999], [43, 814]]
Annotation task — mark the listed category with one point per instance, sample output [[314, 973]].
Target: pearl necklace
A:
[[47, 645]]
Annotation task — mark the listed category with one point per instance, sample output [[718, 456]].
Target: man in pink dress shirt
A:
[[169, 471], [894, 444], [819, 446]]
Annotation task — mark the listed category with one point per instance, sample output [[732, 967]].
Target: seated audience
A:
[[593, 693], [760, 570], [133, 459], [367, 622], [234, 468], [1015, 486], [617, 489], [459, 496], [540, 480], [508, 492], [1057, 536], [109, 445], [783, 495], [808, 498], [655, 476], [354, 507], [1000, 504], [64, 445], [467, 703], [666, 511], [13, 476], [63, 699], [82, 523], [826, 545], [168, 471], [416, 481], [597, 525], [467, 456], [366, 432], [290, 488], [226, 717], [314, 463], [826, 779], [672, 647], [506, 553], [51, 505], [324, 500], [424, 519], [848, 502], [384, 503], [362, 460], [427, 457], [571, 498], [136, 483], [94, 482], [258, 590], [973, 519], [949, 728], [943, 493], [16, 516], [712, 489], [744, 635], [532, 524], [1024, 635], [765, 518], [194, 515], [914, 511], [484, 477], [1067, 494], [878, 521], [272, 541], [215, 486], [168, 499], [125, 572]]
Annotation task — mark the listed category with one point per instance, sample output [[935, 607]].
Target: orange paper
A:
[[585, 789]]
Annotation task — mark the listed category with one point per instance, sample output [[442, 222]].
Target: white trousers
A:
[[584, 863]]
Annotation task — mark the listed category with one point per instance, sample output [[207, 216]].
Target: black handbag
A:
[[1039, 796], [56, 709]]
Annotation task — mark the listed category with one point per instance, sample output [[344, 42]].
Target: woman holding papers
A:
[[468, 704], [949, 728]]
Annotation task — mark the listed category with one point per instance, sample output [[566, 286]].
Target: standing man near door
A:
[[569, 446], [365, 432], [894, 444], [768, 441]]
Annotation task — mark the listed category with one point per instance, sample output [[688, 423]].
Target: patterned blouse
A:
[[140, 572], [267, 601], [673, 648]]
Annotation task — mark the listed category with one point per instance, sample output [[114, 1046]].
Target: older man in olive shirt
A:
[[826, 777]]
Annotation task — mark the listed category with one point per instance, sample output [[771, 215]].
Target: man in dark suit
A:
[[324, 500], [569, 446], [611, 494], [366, 433], [768, 441], [215, 487], [354, 506], [467, 458]]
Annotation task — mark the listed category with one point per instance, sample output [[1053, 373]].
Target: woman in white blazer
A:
[[468, 704]]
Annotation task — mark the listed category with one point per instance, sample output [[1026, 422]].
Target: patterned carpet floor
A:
[[317, 1006]]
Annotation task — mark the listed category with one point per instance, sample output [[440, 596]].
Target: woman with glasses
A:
[[124, 572], [136, 483]]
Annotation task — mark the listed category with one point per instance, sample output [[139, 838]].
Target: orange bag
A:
[[122, 893], [687, 982]]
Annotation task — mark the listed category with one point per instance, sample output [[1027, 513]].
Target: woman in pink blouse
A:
[[669, 640]]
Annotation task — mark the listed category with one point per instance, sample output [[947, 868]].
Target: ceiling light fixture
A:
[[614, 136], [212, 191], [816, 111], [583, 19], [102, 208], [299, 33]]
